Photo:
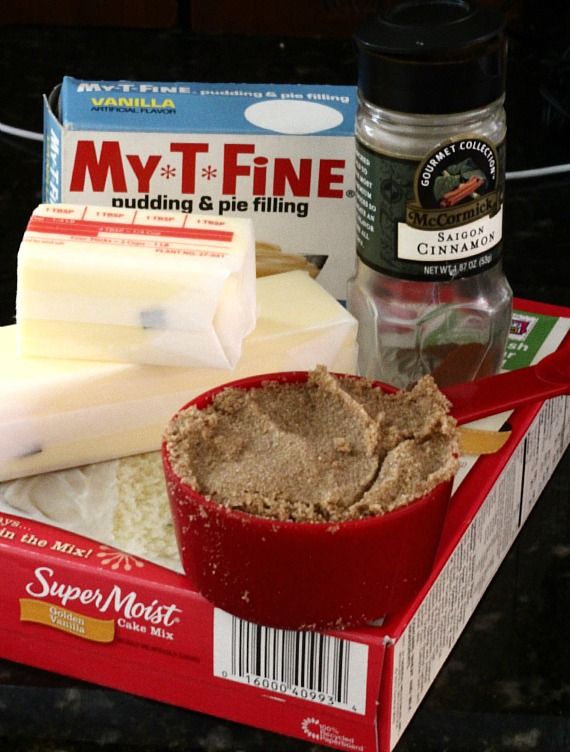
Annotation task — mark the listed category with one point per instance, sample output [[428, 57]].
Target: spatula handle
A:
[[506, 391]]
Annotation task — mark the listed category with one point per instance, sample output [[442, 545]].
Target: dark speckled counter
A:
[[506, 685]]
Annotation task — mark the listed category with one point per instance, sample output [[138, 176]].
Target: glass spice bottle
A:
[[429, 290]]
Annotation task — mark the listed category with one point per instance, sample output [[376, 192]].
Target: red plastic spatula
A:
[[506, 391]]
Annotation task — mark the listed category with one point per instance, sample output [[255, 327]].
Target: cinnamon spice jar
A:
[[429, 290]]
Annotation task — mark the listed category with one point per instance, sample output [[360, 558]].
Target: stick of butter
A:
[[57, 413], [162, 288]]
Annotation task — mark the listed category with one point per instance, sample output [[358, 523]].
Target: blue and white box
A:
[[280, 154]]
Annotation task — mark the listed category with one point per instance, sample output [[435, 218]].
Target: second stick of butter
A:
[[162, 288]]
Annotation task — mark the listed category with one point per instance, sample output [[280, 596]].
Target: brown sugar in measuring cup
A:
[[334, 569]]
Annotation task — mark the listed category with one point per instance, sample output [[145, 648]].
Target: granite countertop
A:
[[506, 685]]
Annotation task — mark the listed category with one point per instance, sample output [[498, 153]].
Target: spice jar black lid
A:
[[432, 56]]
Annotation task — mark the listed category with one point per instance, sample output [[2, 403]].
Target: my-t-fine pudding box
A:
[[117, 611], [282, 155]]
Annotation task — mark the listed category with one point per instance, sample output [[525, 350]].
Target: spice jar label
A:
[[435, 219]]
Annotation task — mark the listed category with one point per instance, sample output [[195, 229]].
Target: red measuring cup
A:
[[303, 575], [321, 575]]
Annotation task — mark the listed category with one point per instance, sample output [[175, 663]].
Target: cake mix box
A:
[[280, 154], [113, 607]]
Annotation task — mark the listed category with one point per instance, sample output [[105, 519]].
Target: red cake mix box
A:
[[84, 608]]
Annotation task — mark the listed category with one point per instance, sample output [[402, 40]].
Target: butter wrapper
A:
[[130, 286]]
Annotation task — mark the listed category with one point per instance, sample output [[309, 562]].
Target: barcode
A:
[[309, 665]]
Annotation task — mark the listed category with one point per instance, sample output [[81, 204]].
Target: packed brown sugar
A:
[[331, 449]]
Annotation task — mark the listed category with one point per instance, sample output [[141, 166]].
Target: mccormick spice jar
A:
[[429, 290]]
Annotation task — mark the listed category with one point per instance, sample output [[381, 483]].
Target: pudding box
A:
[[81, 608], [280, 154]]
